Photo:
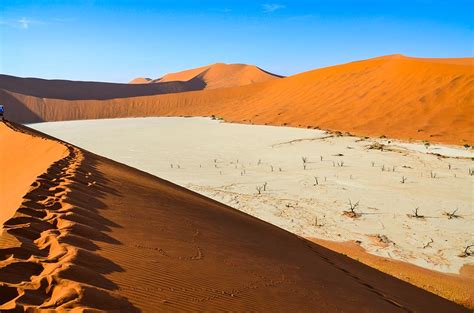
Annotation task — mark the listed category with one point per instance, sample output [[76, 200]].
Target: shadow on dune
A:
[[46, 248], [17, 111], [83, 90]]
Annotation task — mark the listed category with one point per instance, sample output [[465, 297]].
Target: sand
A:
[[455, 287], [94, 234], [84, 90], [228, 162], [23, 157], [221, 75], [395, 96], [140, 80]]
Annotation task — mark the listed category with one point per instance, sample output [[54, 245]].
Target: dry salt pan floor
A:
[[409, 201]]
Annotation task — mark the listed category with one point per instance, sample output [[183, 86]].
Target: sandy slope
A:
[[395, 96], [221, 75], [92, 233], [140, 80], [456, 287], [227, 162], [22, 158], [82, 90]]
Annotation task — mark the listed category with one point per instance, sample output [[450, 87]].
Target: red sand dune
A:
[[395, 96], [91, 233], [23, 158], [140, 80], [222, 75]]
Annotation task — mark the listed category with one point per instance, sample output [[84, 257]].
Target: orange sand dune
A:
[[140, 80], [222, 75], [395, 96], [23, 157], [95, 234]]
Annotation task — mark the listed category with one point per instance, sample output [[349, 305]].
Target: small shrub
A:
[[376, 146]]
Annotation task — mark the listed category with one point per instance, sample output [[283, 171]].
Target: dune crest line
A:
[[46, 258]]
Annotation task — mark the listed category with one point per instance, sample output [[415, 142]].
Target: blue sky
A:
[[119, 40]]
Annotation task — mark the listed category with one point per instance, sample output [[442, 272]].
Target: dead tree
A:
[[452, 214], [467, 252], [352, 210], [316, 222], [428, 244], [415, 214], [305, 160]]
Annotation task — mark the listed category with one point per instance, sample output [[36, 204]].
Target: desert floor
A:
[[305, 180]]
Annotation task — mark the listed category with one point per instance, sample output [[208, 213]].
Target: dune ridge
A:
[[43, 263], [84, 238], [221, 75], [393, 96], [22, 168], [140, 80]]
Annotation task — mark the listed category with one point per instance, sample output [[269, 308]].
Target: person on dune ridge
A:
[[2, 112]]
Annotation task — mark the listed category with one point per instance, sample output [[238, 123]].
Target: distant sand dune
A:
[[394, 96], [221, 75], [95, 234], [208, 77]]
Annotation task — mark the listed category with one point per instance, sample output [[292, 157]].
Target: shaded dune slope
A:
[[395, 96], [208, 77], [93, 233], [81, 90]]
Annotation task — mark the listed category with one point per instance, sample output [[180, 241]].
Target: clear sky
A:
[[122, 39]]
